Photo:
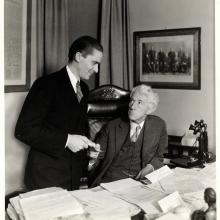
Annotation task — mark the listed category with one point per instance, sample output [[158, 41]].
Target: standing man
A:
[[53, 121], [132, 146]]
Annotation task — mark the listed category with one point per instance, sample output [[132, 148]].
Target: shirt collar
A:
[[133, 125], [72, 77]]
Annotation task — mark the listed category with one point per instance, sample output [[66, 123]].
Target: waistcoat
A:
[[128, 161]]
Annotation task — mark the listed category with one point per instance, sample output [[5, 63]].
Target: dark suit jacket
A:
[[51, 111], [113, 135]]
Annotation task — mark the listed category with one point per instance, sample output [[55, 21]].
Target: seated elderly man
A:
[[131, 146]]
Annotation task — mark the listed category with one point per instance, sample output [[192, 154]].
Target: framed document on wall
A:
[[17, 40]]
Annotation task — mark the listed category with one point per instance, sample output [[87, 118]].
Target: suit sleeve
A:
[[157, 160], [31, 128], [102, 140]]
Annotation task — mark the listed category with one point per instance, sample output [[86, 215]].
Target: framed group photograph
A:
[[17, 48], [168, 58]]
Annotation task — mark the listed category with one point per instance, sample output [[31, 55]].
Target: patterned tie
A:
[[78, 91], [134, 137]]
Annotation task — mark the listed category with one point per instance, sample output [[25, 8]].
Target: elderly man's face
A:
[[138, 107]]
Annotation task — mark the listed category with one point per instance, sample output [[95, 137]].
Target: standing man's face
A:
[[138, 107], [89, 64]]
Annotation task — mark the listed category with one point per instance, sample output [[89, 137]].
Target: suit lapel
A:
[[70, 91], [121, 132], [148, 138]]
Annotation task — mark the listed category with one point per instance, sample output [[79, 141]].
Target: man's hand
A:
[[146, 170], [78, 142], [94, 151]]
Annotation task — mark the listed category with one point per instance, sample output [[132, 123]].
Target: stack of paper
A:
[[49, 203]]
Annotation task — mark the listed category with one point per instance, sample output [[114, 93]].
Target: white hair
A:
[[152, 97]]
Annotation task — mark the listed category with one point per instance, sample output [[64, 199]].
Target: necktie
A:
[[134, 137], [78, 91]]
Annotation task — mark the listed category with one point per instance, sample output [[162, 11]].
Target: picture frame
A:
[[17, 45], [168, 59]]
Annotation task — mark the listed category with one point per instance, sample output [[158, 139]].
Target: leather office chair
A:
[[105, 103]]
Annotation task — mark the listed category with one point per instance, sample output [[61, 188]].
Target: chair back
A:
[[106, 103]]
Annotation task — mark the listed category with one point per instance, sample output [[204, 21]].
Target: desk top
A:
[[125, 203]]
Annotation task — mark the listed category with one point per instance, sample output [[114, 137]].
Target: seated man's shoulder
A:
[[114, 121], [117, 121], [156, 119]]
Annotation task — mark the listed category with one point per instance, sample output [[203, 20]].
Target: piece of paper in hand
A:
[[159, 174]]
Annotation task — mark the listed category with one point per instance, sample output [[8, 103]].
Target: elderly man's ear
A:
[[151, 108]]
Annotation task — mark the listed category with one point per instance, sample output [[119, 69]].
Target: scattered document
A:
[[120, 185], [180, 182], [195, 200], [120, 199], [170, 202], [142, 196], [104, 205], [159, 174]]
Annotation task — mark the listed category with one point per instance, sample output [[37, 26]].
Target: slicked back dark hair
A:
[[84, 45]]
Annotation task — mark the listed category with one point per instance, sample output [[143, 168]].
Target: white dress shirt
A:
[[133, 126], [73, 78]]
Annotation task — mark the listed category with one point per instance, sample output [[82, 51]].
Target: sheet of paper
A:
[[159, 174], [43, 191], [122, 184], [170, 202], [181, 183], [195, 200], [102, 202], [50, 206], [15, 202], [206, 175], [144, 197], [12, 213]]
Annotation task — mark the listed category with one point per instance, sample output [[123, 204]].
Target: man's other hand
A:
[[146, 170]]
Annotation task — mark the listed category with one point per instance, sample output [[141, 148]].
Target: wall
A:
[[15, 151], [181, 107], [83, 19]]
